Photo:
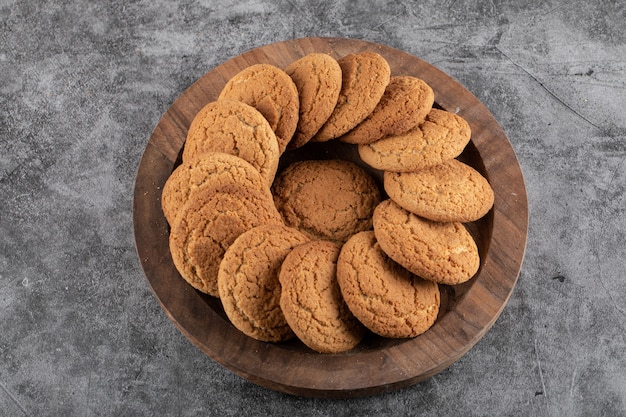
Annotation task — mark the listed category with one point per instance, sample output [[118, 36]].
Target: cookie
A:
[[406, 102], [312, 302], [248, 282], [448, 192], [364, 78], [236, 128], [208, 224], [441, 137], [318, 80], [326, 199], [209, 170], [272, 92], [388, 299], [441, 252]]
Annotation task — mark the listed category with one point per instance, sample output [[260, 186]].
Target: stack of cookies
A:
[[318, 250]]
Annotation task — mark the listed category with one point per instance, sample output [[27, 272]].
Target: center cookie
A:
[[328, 199]]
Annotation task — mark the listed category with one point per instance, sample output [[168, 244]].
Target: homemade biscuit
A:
[[272, 92], [248, 281], [318, 80], [326, 199], [448, 192], [312, 302], [364, 78], [406, 102], [387, 298], [209, 223], [441, 252], [236, 128], [208, 170], [442, 136]]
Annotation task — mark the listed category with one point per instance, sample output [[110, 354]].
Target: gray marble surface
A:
[[82, 85]]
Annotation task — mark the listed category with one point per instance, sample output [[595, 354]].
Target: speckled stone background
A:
[[82, 85]]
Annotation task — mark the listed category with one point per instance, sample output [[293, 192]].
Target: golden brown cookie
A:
[[311, 299], [441, 252], [406, 102], [364, 78], [248, 281], [328, 199], [318, 80], [442, 136], [448, 192], [387, 298], [272, 92], [236, 128], [208, 170], [209, 223]]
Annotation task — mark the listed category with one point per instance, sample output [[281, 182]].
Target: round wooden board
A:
[[377, 365]]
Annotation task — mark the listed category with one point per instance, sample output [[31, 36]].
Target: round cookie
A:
[[441, 252], [387, 298], [272, 92], [317, 77], [208, 170], [236, 128], [208, 224], [406, 102], [364, 78], [442, 136], [448, 192], [326, 199], [312, 302], [248, 282]]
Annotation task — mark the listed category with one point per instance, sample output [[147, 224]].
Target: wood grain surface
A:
[[377, 365]]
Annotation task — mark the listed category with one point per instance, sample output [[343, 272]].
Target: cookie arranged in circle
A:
[[272, 92], [364, 78], [406, 102], [208, 170], [236, 128], [326, 199], [311, 299], [441, 137], [448, 192], [248, 281], [209, 223], [317, 77], [441, 252], [387, 298]]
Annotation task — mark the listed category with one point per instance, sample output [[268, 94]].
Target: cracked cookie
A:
[[312, 302], [441, 252], [364, 78], [448, 192], [406, 102], [272, 92], [442, 136], [208, 170], [387, 298], [209, 223], [318, 80], [236, 128], [248, 281]]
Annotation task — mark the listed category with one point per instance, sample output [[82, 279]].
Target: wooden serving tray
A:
[[377, 365]]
